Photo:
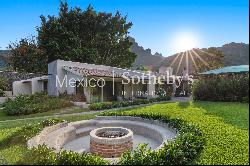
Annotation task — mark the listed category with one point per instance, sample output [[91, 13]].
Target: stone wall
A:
[[110, 151]]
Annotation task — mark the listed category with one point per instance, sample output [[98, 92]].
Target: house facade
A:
[[98, 82]]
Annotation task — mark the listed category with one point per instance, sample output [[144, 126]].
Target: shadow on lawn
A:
[[183, 104]]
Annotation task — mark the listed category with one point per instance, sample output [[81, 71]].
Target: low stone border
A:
[[56, 136]]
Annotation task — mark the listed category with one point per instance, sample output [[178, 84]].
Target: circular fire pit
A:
[[110, 142]]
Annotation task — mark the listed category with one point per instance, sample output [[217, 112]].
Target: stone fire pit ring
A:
[[107, 147]]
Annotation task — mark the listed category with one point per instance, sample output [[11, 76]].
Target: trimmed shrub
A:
[[51, 122], [186, 147], [2, 94], [43, 155], [3, 84], [219, 88], [117, 104], [40, 102], [73, 97], [22, 134]]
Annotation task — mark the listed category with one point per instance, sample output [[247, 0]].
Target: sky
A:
[[164, 26]]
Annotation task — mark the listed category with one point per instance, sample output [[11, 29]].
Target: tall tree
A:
[[213, 57], [86, 36], [27, 57]]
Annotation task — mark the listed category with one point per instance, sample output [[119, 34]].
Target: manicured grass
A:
[[14, 153], [68, 110], [224, 125], [227, 140], [236, 114]]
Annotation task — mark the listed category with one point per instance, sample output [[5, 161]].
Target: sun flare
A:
[[184, 42]]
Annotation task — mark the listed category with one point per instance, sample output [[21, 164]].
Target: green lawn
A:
[[14, 153], [225, 126], [236, 114]]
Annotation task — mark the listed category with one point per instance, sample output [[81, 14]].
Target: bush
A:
[[117, 104], [22, 134], [43, 155], [2, 94], [2, 161], [40, 102], [3, 84], [73, 97], [51, 122], [220, 88], [186, 147]]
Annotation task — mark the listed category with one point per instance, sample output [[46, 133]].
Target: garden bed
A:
[[224, 126], [120, 104], [40, 102]]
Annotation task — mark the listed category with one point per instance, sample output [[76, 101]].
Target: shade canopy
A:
[[229, 69]]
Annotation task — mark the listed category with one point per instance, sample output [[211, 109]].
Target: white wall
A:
[[3, 99], [28, 87], [22, 88], [151, 89]]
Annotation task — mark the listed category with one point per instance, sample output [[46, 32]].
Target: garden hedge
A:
[[118, 104], [185, 148], [222, 88], [39, 102]]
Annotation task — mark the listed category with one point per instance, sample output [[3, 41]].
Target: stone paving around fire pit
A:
[[75, 135]]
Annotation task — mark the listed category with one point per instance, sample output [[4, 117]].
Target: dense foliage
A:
[[223, 124], [222, 88], [43, 155], [212, 57], [40, 102], [27, 52], [118, 104], [3, 83], [226, 141], [185, 148], [76, 35], [73, 97], [3, 86], [2, 94]]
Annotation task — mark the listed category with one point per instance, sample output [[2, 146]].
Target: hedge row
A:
[[42, 155], [184, 149], [40, 102], [118, 104], [220, 88]]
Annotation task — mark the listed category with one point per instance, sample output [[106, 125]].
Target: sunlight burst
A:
[[184, 42]]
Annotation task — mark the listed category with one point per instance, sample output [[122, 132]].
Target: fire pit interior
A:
[[111, 134], [110, 142]]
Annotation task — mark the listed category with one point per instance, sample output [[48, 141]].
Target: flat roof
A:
[[228, 69]]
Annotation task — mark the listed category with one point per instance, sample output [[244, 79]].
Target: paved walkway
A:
[[174, 99], [181, 99]]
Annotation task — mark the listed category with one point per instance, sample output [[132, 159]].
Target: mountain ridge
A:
[[234, 54]]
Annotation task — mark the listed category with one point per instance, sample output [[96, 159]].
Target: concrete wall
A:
[[56, 71], [151, 89], [3, 99], [22, 88], [28, 87]]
